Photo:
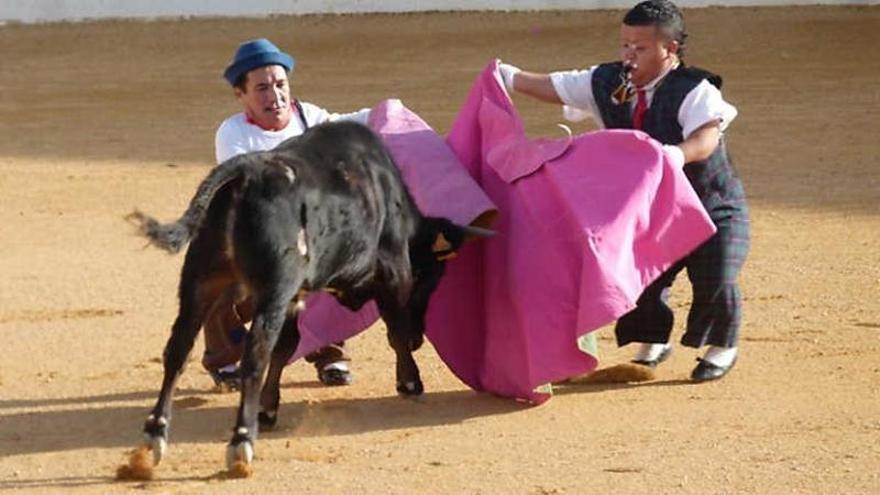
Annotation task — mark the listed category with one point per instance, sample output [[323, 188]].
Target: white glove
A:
[[674, 154], [508, 72]]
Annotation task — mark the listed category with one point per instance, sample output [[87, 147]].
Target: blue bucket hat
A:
[[256, 53]]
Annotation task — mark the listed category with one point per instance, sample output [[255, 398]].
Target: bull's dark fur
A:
[[324, 211]]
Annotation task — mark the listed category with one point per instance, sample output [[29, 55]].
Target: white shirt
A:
[[701, 105], [236, 135]]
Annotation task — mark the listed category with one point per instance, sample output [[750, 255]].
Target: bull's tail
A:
[[173, 236]]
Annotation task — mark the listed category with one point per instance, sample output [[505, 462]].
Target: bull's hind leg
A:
[[265, 332], [270, 397], [183, 334], [195, 298]]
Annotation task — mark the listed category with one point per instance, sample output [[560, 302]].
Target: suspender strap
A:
[[302, 115]]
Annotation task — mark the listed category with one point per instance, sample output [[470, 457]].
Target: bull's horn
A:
[[471, 231], [567, 130]]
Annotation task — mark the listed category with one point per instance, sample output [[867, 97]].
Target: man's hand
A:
[[508, 73], [674, 154]]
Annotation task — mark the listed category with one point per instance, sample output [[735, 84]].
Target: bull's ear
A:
[[441, 244], [442, 248]]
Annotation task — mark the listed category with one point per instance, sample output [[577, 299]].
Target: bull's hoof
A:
[[267, 419], [158, 446], [239, 453], [156, 437], [410, 389]]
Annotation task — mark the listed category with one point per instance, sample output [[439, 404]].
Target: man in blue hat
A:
[[258, 75]]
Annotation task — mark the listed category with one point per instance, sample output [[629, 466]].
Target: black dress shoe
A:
[[228, 380], [334, 377], [706, 371], [652, 363]]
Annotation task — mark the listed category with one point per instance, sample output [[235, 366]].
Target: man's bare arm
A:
[[702, 142], [536, 85]]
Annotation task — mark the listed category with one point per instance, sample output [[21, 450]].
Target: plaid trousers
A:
[[716, 311]]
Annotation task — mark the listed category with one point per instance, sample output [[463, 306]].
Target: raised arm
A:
[[534, 84]]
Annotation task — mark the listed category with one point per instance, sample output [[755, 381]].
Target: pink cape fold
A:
[[584, 224], [439, 185]]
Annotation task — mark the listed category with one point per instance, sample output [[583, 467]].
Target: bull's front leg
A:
[[404, 341]]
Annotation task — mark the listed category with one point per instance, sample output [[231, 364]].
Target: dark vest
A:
[[714, 179]]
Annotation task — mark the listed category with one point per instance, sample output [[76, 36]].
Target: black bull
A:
[[323, 211]]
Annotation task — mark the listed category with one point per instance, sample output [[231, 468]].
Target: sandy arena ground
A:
[[98, 118]]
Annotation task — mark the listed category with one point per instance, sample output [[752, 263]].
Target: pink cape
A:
[[439, 185], [584, 224]]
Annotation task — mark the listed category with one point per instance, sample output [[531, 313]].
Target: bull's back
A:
[[348, 197], [315, 196]]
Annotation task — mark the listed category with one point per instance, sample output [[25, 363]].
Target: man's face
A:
[[647, 51], [266, 98]]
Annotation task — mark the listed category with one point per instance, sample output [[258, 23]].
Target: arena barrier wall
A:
[[30, 11]]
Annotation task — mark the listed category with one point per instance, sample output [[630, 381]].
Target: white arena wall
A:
[[30, 11]]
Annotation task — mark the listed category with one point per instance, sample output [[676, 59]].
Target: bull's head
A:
[[436, 241]]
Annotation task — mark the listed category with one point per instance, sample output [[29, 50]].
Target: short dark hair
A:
[[661, 13], [241, 83]]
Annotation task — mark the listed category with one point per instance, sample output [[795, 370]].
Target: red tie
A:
[[641, 108]]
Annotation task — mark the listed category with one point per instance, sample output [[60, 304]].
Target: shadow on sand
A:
[[87, 427], [32, 431]]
